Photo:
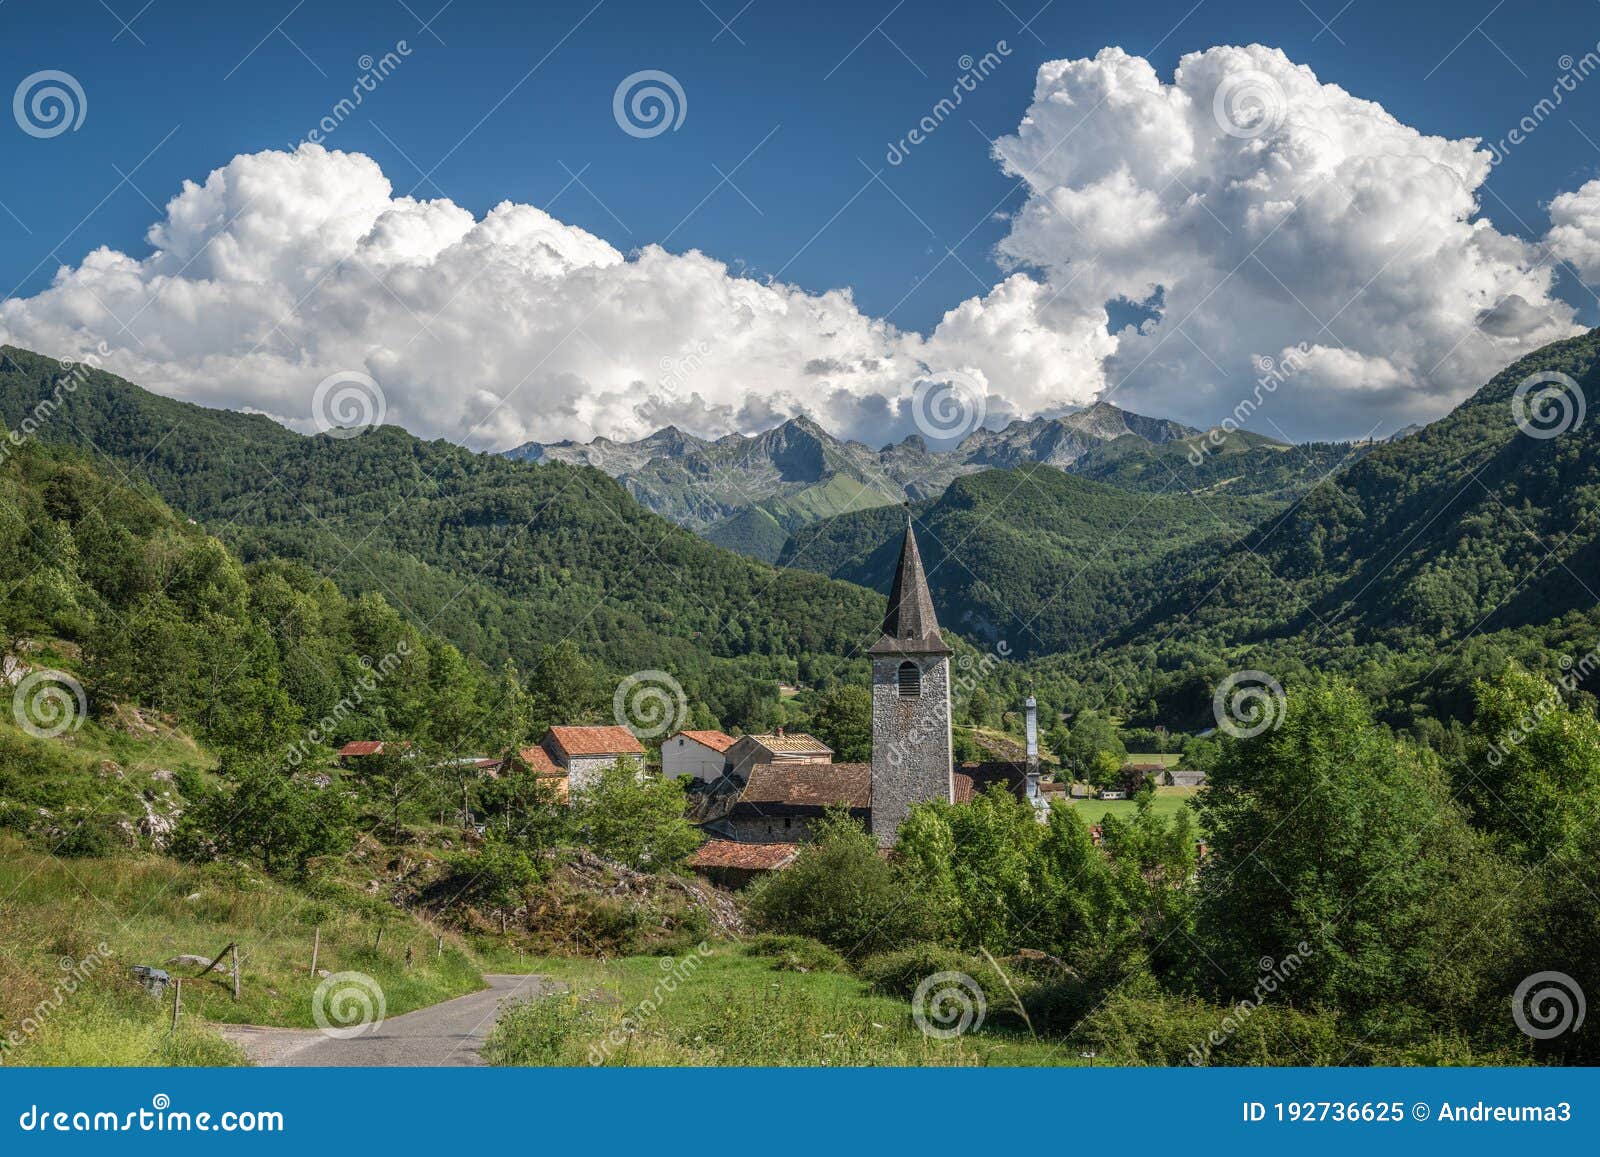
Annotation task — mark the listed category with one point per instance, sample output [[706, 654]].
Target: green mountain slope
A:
[[497, 556], [1467, 525], [1043, 560]]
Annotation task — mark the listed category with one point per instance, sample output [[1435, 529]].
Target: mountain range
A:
[[1134, 579], [751, 493]]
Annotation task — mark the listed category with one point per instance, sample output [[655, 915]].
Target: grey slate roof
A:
[[910, 627]]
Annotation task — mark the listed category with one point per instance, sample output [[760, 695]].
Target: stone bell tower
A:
[[910, 701]]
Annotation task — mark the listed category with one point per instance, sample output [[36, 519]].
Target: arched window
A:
[[910, 680]]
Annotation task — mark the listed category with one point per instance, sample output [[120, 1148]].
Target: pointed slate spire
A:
[[909, 626]]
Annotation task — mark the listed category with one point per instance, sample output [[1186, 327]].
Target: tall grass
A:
[[56, 912], [734, 1009]]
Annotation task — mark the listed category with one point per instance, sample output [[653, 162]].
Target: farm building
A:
[[733, 865], [702, 755]]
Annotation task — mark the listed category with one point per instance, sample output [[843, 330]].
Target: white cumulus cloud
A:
[[1251, 208], [1245, 208]]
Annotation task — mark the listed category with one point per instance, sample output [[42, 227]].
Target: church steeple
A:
[[910, 625], [911, 740]]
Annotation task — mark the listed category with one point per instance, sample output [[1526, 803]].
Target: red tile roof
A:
[[715, 740], [596, 741], [815, 784], [753, 857], [538, 761], [362, 747]]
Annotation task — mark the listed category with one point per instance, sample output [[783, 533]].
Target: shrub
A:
[[541, 1031], [839, 891], [796, 953], [898, 973]]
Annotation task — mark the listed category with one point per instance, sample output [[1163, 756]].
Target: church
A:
[[772, 789]]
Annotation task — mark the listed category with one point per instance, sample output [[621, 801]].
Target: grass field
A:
[[1168, 802], [1170, 759], [726, 1007], [69, 1003]]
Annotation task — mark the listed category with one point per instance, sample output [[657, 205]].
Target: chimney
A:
[[1031, 729], [780, 733]]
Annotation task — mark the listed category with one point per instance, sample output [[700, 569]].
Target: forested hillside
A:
[[500, 557], [1047, 561]]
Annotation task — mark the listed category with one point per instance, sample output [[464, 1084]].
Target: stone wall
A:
[[583, 771]]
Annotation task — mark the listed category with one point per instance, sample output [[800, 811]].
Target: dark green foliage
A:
[[264, 815], [839, 891], [1093, 749], [1531, 768], [636, 820], [898, 973], [1334, 841], [843, 720], [1023, 556], [499, 557]]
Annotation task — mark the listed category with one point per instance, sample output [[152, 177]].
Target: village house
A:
[[534, 761], [750, 750], [783, 802], [734, 865], [701, 755], [1184, 777], [574, 757], [352, 753], [584, 752]]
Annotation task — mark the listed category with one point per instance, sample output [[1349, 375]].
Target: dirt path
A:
[[449, 1033]]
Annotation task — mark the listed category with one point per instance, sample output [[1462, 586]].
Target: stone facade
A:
[[911, 744], [583, 771]]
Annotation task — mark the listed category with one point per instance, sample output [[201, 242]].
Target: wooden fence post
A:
[[379, 943], [235, 970], [408, 956], [316, 945], [438, 946], [177, 1000]]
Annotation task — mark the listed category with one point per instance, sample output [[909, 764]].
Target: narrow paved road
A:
[[450, 1033]]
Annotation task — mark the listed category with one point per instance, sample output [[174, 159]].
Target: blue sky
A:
[[830, 91], [789, 112]]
